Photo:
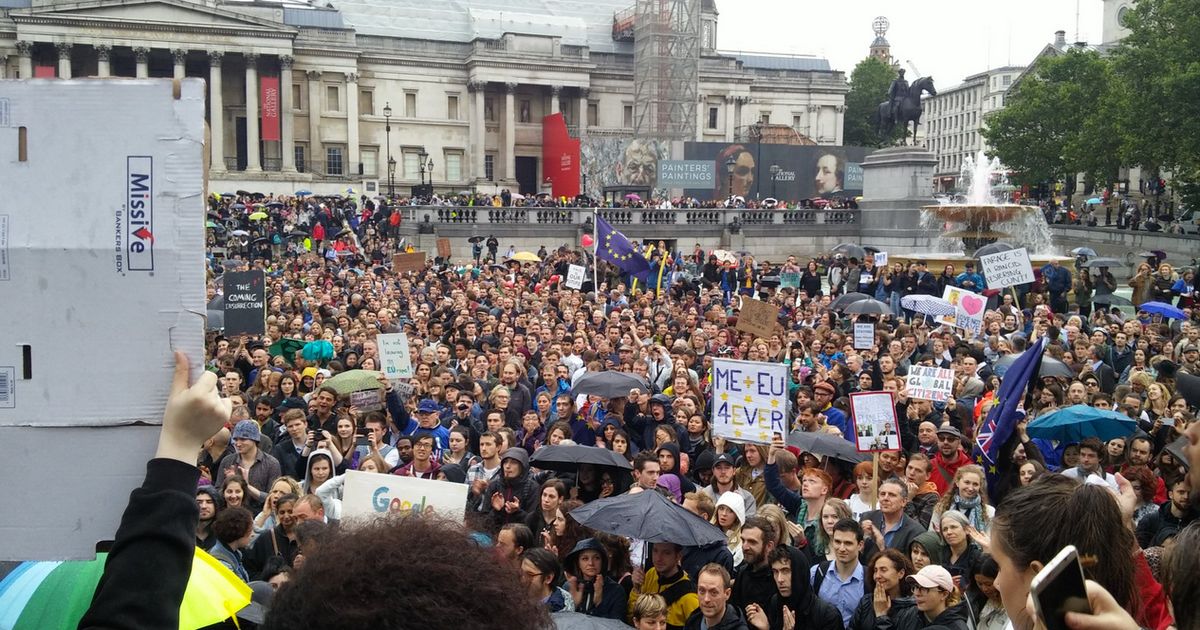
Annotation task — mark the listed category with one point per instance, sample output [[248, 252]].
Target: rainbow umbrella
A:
[[38, 595]]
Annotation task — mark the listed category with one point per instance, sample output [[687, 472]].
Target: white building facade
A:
[[463, 91], [955, 118]]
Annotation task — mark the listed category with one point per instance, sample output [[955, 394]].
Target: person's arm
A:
[[785, 496], [151, 560]]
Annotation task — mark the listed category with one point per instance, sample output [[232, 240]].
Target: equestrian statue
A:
[[903, 106]]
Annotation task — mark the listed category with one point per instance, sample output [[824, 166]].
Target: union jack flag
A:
[[1004, 414]]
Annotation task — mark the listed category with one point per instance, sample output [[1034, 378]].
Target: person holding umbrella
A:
[[666, 578]]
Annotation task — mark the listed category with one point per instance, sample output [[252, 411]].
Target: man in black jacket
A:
[[794, 598], [511, 494], [889, 527], [1175, 514], [754, 584]]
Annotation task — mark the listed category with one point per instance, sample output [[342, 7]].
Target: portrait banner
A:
[[874, 418]]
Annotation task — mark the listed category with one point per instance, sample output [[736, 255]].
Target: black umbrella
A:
[[1096, 263], [261, 239], [993, 248], [868, 307], [847, 299], [1111, 300], [567, 458], [243, 193], [580, 621], [850, 250], [647, 516], [475, 239], [827, 445], [216, 314], [608, 384], [297, 235], [1188, 386], [1054, 367]]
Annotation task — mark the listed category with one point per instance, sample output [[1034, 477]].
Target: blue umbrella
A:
[[1073, 424], [1084, 251], [1095, 200], [1164, 309], [303, 193]]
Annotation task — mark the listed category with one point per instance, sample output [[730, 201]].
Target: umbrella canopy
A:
[[475, 239], [303, 193], [215, 319], [869, 307], [274, 204], [993, 248], [608, 384], [725, 256], [354, 381], [1096, 263], [1111, 300], [1188, 386], [38, 595], [928, 305], [850, 250], [286, 348], [580, 621], [827, 445], [633, 197], [1084, 251], [1054, 367], [1073, 424], [212, 225], [526, 257], [1094, 200], [240, 233], [847, 299], [1164, 309], [238, 206], [1153, 253], [648, 516], [257, 216], [567, 458]]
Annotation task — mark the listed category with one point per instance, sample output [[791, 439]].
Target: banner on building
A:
[[269, 108], [560, 157], [687, 174]]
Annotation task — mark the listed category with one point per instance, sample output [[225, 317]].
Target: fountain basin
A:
[[978, 214]]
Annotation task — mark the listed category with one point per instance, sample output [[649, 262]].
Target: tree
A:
[[869, 83]]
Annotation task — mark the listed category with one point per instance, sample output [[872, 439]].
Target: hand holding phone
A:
[[1059, 588]]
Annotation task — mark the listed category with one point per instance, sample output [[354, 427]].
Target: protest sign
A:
[[367, 400], [758, 317], [575, 275], [245, 303], [969, 308], [394, 356], [408, 262], [874, 417], [790, 280], [749, 400], [929, 383], [443, 248], [864, 336], [1006, 269], [374, 494], [880, 259]]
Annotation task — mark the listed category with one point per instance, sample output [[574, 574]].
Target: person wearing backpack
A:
[[841, 582]]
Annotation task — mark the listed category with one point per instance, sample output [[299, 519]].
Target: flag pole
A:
[[595, 251]]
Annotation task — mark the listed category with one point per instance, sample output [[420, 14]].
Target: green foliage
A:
[[869, 83]]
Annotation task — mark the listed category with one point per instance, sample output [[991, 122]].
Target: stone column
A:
[[478, 130], [287, 132], [509, 131], [103, 68], [814, 112], [253, 164], [555, 93], [142, 54], [728, 119], [583, 111], [216, 112], [352, 153], [314, 117], [701, 117], [839, 119], [64, 59], [25, 63], [180, 56]]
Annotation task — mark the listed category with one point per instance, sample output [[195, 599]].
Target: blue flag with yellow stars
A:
[[612, 246], [1002, 419]]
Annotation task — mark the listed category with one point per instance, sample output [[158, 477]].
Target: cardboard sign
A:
[[372, 495], [969, 309], [880, 259], [367, 400], [749, 400], [758, 318], [929, 383], [864, 336], [402, 263], [443, 248], [245, 303], [1007, 269], [789, 280], [575, 276], [874, 418], [394, 356]]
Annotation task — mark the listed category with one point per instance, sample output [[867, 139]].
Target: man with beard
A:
[[949, 458], [207, 501], [1174, 515], [754, 582]]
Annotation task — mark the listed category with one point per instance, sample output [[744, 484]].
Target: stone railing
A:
[[485, 215]]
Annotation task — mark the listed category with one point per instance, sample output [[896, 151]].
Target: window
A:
[[333, 161], [796, 119], [410, 104], [525, 110], [366, 102], [333, 98], [628, 116], [1007, 80], [765, 118], [453, 161], [452, 107], [489, 109], [370, 162], [593, 114], [712, 117], [489, 167], [412, 165], [300, 150], [297, 94]]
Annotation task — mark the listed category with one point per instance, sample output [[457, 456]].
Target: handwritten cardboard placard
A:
[[394, 356], [874, 417], [373, 495], [758, 317], [969, 308], [245, 303], [367, 400], [929, 383], [1006, 269], [749, 400], [864, 336], [881, 259], [790, 280], [443, 248], [414, 261], [575, 276]]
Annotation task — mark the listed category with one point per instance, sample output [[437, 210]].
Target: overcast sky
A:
[[945, 39]]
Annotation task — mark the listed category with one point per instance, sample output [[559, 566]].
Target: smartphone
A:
[[1059, 588]]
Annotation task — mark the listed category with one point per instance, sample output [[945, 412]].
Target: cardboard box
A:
[[102, 249]]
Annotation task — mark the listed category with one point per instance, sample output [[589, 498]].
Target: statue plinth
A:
[[897, 181]]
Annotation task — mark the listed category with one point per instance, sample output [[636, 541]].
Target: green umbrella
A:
[[211, 224], [286, 348], [354, 381]]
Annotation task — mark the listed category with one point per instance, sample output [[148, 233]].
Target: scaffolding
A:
[[666, 57]]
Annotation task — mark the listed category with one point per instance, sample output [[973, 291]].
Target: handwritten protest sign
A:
[[969, 308], [790, 280], [1006, 269], [367, 400], [880, 259], [245, 303], [929, 383], [408, 262], [749, 400], [373, 494], [874, 416], [575, 275], [864, 336], [443, 248], [394, 356], [758, 317]]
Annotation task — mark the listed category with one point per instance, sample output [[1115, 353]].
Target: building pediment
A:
[[177, 14]]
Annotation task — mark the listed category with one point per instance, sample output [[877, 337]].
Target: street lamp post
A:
[[387, 128], [774, 178], [429, 169], [421, 157], [730, 164]]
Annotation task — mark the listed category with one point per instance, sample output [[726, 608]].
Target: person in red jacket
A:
[[949, 458]]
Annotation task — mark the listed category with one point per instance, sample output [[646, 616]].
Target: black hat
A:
[[723, 458], [947, 429]]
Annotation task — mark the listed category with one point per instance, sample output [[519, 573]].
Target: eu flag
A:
[[1003, 417], [612, 246]]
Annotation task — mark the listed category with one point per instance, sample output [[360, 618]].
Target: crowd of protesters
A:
[[922, 539]]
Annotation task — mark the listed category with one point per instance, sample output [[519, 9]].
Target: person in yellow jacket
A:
[[668, 579]]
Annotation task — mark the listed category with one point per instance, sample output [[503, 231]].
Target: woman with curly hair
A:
[[565, 532]]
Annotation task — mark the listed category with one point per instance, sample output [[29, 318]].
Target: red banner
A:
[[44, 72], [560, 157], [270, 108]]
